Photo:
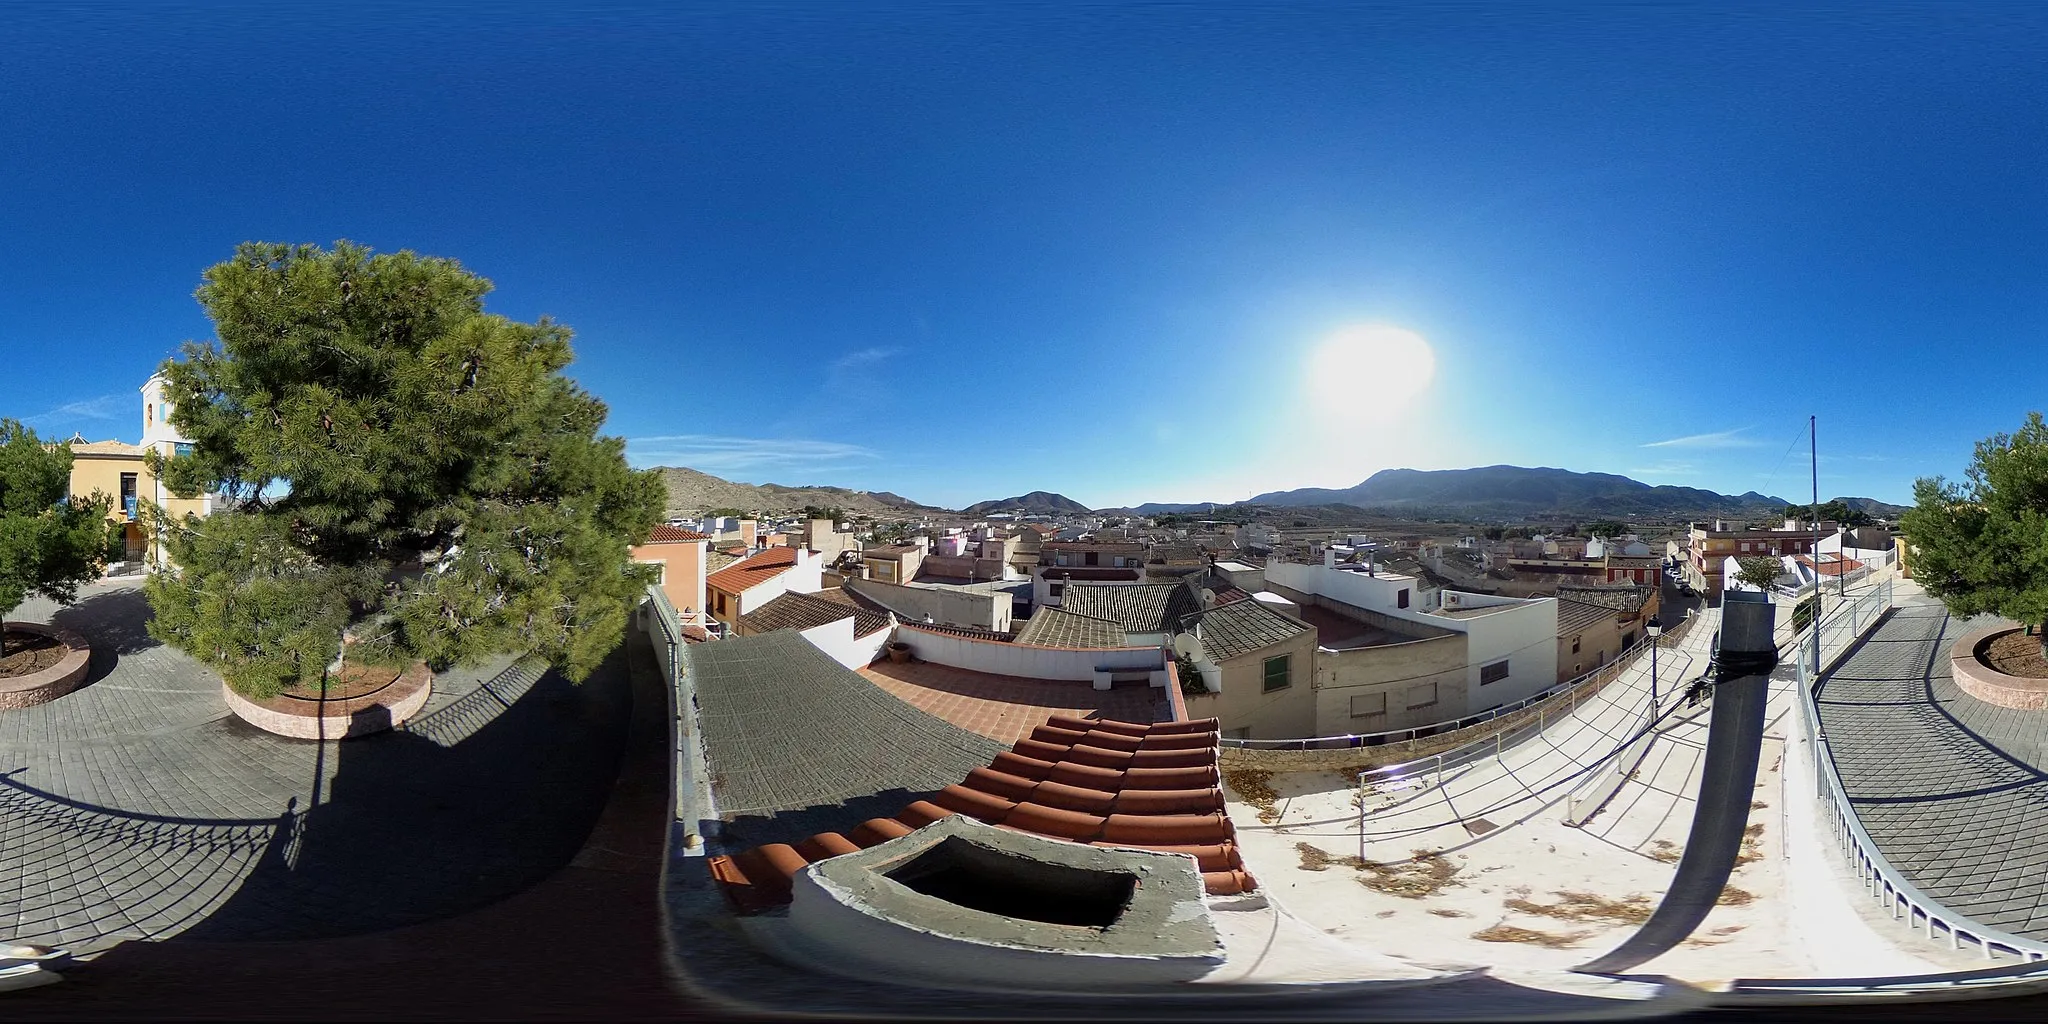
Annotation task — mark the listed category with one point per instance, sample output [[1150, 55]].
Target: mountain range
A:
[[1485, 491], [692, 491], [1040, 502], [1518, 490]]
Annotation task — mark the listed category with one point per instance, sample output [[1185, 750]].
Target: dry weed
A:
[[1734, 897], [1448, 912], [1752, 845], [1667, 851], [1255, 787], [1529, 936], [1313, 857], [1424, 874], [1757, 805], [1586, 906]]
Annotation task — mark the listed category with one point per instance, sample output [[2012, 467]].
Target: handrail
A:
[[1452, 725], [1883, 881]]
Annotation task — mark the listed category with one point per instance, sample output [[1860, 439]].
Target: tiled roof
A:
[[808, 611], [752, 571], [1574, 616], [867, 615], [1064, 572], [666, 534], [889, 551], [1054, 627], [1149, 787], [970, 632], [1241, 627], [1170, 553], [797, 743], [716, 560], [1138, 607]]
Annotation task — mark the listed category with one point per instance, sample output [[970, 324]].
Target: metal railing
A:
[[1885, 885], [1394, 783], [1572, 690]]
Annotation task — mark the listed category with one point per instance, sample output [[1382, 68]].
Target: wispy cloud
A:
[[854, 366], [743, 455], [1666, 469], [863, 357], [1718, 439], [104, 407]]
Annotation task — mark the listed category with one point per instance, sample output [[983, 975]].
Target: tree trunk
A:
[[2041, 634]]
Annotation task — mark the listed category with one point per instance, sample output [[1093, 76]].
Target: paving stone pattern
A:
[[138, 808], [1952, 789]]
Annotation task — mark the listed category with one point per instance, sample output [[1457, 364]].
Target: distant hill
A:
[[1036, 501], [690, 490], [1874, 507], [1520, 490]]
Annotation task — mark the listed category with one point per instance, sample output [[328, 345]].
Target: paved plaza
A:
[[138, 808], [1952, 789]]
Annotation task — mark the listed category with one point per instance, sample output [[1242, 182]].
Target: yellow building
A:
[[120, 471]]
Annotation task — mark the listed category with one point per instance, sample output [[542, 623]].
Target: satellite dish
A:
[[1208, 598], [1184, 643]]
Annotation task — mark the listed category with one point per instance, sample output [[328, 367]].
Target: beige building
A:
[[681, 555], [121, 472], [894, 563]]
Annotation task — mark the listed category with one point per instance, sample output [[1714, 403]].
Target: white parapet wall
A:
[[1029, 661]]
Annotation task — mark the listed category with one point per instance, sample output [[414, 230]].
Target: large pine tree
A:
[[1982, 546], [398, 464]]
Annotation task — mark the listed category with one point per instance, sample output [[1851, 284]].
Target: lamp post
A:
[[1654, 629]]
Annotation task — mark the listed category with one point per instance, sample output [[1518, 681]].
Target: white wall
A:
[[1031, 662], [1525, 634], [950, 606], [805, 577], [836, 639], [1523, 631]]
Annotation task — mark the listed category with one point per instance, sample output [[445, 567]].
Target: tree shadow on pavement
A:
[[115, 622]]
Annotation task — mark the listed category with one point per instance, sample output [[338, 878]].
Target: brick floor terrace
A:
[[1007, 708]]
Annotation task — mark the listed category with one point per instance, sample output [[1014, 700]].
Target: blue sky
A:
[[964, 251]]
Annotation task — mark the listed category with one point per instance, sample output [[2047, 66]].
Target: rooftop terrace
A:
[[1007, 708]]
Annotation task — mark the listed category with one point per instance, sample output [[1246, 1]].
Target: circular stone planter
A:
[[47, 684], [1989, 685], [321, 718]]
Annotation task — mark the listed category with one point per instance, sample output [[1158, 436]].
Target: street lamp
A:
[[1654, 629]]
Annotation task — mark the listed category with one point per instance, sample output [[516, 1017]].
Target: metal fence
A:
[[1566, 695], [1908, 905]]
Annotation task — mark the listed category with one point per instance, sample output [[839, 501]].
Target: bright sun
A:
[[1369, 374]]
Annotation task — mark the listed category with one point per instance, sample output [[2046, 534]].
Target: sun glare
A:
[[1369, 374]]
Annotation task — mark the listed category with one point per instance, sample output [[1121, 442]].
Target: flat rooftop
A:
[[1007, 708], [1342, 633]]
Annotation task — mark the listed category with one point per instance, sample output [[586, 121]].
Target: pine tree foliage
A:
[[397, 462], [1981, 546], [49, 546]]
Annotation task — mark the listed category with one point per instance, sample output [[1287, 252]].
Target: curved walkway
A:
[[1952, 789], [138, 808]]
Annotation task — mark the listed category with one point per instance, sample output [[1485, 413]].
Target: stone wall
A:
[[48, 684]]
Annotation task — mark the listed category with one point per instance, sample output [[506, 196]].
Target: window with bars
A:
[[1493, 673]]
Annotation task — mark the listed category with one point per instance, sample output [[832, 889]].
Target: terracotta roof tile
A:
[[808, 611], [753, 570], [1176, 808], [666, 534]]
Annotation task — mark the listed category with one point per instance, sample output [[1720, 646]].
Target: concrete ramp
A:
[[1735, 735]]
